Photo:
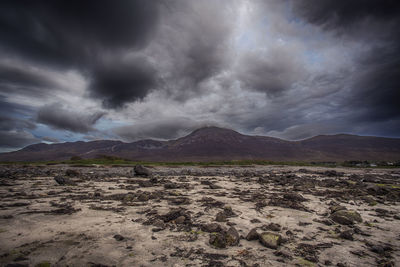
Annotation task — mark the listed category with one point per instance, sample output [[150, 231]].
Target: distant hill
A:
[[213, 143]]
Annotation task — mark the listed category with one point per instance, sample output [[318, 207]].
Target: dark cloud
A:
[[331, 13], [60, 118], [373, 89], [118, 83], [16, 139], [72, 32], [272, 74], [195, 41], [14, 133], [165, 129], [10, 123]]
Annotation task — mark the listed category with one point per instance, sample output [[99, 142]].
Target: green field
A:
[[114, 161]]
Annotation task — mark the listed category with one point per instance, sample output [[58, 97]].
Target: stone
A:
[[159, 223], [211, 227], [180, 220], [270, 240], [294, 197], [143, 197], [346, 217], [272, 227], [224, 238], [139, 170], [72, 173], [348, 234], [61, 180], [119, 237], [220, 217], [217, 240], [252, 235], [232, 237], [145, 183], [170, 186], [336, 208]]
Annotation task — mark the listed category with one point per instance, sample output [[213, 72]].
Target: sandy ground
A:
[[108, 216]]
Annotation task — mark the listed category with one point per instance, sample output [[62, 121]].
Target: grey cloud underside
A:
[[291, 69], [14, 132], [59, 118]]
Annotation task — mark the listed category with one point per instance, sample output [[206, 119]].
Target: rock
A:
[[336, 208], [232, 237], [255, 220], [139, 170], [294, 197], [270, 240], [220, 217], [119, 237], [63, 180], [211, 227], [180, 220], [143, 197], [159, 223], [224, 238], [272, 227], [175, 214], [229, 212], [217, 240], [252, 235], [170, 186], [348, 234], [346, 217], [145, 183], [72, 173]]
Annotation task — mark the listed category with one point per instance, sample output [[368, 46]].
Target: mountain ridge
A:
[[214, 143]]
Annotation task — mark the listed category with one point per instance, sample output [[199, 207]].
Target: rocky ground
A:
[[193, 216]]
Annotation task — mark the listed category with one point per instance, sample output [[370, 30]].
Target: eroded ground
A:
[[199, 216]]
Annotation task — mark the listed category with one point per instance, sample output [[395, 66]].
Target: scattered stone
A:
[[252, 235], [139, 170], [72, 173], [346, 217], [271, 227], [348, 234], [220, 217], [119, 237], [211, 227], [180, 220], [224, 238], [270, 240], [61, 180]]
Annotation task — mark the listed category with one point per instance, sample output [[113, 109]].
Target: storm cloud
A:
[[60, 118], [137, 69]]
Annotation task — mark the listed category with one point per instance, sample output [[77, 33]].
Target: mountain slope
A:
[[213, 143]]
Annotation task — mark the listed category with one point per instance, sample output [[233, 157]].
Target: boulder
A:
[[224, 238], [139, 170], [346, 217], [61, 180], [252, 235], [72, 173], [211, 227], [232, 237], [218, 240], [220, 217], [270, 240]]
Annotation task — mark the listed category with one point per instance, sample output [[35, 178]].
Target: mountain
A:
[[213, 143]]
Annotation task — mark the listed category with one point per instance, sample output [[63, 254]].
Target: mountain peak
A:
[[212, 130]]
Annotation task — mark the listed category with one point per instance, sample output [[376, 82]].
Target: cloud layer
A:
[[135, 69]]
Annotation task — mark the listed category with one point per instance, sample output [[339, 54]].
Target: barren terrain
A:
[[193, 216]]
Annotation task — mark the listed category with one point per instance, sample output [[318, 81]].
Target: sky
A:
[[137, 69]]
